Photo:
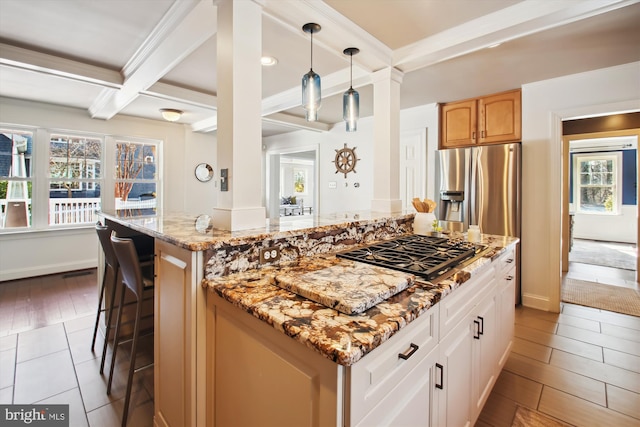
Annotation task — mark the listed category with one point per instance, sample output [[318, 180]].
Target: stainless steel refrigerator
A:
[[480, 186]]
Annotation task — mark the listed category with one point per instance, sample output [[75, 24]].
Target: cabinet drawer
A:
[[456, 306], [506, 261], [379, 372]]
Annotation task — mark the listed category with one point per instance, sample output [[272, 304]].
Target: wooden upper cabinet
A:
[[500, 118], [487, 120], [458, 123]]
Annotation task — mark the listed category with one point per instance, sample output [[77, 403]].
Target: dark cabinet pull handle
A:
[[509, 277], [413, 348], [481, 332], [441, 385], [509, 261], [476, 330]]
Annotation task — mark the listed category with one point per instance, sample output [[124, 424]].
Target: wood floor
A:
[[581, 367]]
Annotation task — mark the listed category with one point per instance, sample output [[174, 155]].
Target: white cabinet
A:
[[506, 278], [452, 391], [394, 373], [484, 352], [468, 332]]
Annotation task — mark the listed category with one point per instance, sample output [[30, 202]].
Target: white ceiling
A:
[[134, 57]]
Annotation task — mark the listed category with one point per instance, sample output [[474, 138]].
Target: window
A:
[[55, 179], [16, 148], [598, 179], [135, 177], [74, 179]]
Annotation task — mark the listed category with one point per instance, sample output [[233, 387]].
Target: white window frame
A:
[[41, 179], [616, 156]]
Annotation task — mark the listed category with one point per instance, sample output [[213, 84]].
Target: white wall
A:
[[611, 228], [38, 252], [544, 105], [348, 197]]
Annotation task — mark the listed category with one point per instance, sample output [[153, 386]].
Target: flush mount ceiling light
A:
[[268, 61], [311, 82], [351, 98], [170, 114]]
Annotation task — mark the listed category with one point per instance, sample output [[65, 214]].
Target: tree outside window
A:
[[135, 177], [598, 178]]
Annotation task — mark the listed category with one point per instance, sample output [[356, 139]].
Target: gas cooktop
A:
[[425, 256]]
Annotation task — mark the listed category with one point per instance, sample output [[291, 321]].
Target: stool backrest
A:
[[104, 235], [127, 256]]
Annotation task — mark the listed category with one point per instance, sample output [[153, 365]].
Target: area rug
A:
[[526, 417], [604, 297], [605, 254]]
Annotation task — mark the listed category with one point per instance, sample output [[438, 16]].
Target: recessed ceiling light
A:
[[268, 61]]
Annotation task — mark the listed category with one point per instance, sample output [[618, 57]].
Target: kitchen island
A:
[[226, 335]]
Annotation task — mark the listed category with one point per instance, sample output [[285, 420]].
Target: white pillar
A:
[[386, 140], [239, 115]]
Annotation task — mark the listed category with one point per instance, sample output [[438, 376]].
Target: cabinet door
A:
[[178, 342], [485, 355], [458, 123], [409, 403], [506, 314], [500, 118], [452, 391]]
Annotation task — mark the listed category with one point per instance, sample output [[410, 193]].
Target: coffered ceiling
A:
[[134, 57]]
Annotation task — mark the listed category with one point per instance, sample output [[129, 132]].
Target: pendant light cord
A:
[[311, 50], [351, 72]]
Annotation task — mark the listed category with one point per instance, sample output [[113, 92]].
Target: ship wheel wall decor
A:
[[346, 160]]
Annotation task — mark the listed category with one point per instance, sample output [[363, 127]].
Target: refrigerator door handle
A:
[[473, 187]]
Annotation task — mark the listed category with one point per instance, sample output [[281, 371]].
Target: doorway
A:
[[292, 190], [600, 220]]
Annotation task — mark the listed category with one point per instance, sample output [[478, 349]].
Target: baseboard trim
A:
[[43, 270], [536, 301]]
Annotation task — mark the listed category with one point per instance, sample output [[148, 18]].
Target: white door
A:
[[413, 160]]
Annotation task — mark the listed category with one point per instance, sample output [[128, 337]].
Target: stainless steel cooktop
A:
[[428, 257]]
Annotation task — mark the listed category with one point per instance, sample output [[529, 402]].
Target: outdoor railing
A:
[[73, 211]]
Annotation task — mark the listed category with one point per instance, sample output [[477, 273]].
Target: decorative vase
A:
[[423, 223]]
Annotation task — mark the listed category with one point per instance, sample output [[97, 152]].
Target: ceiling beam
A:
[[513, 22], [185, 26]]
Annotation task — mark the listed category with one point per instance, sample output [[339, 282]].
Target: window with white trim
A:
[[16, 150], [598, 188], [55, 179], [74, 178]]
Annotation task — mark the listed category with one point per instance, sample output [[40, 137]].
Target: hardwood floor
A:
[[581, 367]]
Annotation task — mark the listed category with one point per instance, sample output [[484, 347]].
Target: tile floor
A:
[[581, 366], [54, 363]]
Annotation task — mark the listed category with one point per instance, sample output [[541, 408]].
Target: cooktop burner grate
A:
[[425, 256]]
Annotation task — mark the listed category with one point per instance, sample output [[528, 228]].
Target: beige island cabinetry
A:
[[437, 370], [234, 349]]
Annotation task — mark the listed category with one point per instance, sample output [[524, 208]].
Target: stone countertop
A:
[[195, 232], [342, 338]]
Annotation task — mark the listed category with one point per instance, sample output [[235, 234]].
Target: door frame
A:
[[565, 189]]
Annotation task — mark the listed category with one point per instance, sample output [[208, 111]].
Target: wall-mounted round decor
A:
[[204, 172]]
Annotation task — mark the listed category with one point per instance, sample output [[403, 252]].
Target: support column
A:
[[239, 115], [386, 140]]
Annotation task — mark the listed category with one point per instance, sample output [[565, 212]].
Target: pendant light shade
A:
[[311, 94], [351, 98]]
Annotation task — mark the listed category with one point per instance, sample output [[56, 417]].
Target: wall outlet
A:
[[270, 254]]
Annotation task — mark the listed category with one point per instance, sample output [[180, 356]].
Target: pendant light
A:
[[351, 98], [311, 82]]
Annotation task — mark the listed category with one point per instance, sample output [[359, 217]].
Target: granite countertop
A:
[[194, 232], [342, 338]]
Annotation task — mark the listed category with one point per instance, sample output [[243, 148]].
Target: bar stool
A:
[[133, 280], [110, 265]]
